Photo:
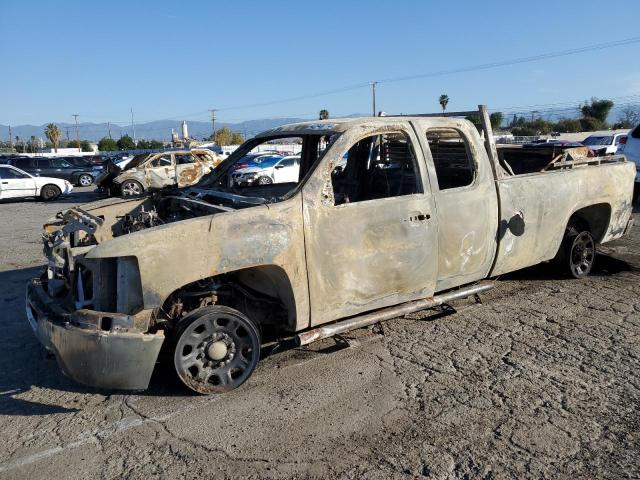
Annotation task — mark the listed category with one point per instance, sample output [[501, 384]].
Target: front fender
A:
[[176, 254]]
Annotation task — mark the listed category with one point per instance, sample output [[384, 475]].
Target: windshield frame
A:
[[226, 167]]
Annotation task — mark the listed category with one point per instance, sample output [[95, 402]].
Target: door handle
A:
[[419, 217], [5, 183]]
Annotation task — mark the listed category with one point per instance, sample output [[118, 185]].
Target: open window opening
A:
[[378, 166]]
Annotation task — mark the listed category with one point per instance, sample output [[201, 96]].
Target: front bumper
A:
[[92, 356]]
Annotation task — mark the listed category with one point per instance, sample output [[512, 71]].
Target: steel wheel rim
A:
[[130, 188], [85, 180], [583, 252], [207, 375]]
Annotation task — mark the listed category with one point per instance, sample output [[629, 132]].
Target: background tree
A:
[[324, 114], [53, 134], [496, 119], [84, 145], [629, 117], [237, 138], [567, 125], [594, 114], [126, 143], [143, 144], [107, 144], [444, 101], [156, 144], [222, 136], [538, 126]]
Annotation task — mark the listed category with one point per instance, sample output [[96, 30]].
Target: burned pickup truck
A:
[[388, 216], [153, 171]]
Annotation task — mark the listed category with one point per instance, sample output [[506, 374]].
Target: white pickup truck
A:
[[387, 216]]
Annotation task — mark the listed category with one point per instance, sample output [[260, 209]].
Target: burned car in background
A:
[[153, 171]]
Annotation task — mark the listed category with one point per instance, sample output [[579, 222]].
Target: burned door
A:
[[465, 200], [188, 169], [160, 171], [370, 235]]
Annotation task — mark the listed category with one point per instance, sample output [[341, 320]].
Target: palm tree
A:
[[444, 100], [324, 114], [53, 134]]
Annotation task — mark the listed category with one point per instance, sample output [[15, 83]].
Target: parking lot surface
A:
[[541, 380]]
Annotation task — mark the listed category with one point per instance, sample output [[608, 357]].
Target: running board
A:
[[304, 338]]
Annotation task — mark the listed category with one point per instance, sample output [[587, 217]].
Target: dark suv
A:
[[77, 173]]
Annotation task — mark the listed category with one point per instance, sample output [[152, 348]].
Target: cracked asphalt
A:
[[541, 380]]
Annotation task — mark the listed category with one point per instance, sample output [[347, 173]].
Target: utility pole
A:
[[109, 128], [373, 96], [213, 123], [67, 134], [10, 138], [75, 115], [133, 125]]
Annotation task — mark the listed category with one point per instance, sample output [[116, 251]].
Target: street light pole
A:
[[133, 126], [75, 115]]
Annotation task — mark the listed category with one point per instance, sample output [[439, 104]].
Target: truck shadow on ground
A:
[[603, 266]]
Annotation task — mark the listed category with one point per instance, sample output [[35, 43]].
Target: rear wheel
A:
[[49, 192], [85, 180], [131, 187], [216, 349], [577, 252]]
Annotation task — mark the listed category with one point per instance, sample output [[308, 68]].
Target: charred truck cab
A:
[[388, 216]]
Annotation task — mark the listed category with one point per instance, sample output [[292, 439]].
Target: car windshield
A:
[[268, 184], [137, 160], [598, 140]]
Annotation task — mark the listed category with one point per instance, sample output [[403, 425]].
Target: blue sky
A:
[[178, 59]]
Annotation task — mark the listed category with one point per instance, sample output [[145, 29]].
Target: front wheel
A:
[[131, 187], [216, 349], [49, 192], [577, 252], [264, 181], [85, 180]]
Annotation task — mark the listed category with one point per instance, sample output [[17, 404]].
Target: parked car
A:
[[631, 150], [605, 144], [152, 171], [83, 162], [205, 270], [58, 167], [258, 172], [255, 160], [15, 183]]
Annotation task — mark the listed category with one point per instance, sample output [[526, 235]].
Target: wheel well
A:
[[50, 185], [262, 293], [595, 218]]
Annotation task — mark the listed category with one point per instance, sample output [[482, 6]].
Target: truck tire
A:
[[49, 193], [131, 187], [577, 251], [216, 349]]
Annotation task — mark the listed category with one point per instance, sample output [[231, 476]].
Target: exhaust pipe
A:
[[310, 336]]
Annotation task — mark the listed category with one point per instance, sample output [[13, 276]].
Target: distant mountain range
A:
[[157, 130]]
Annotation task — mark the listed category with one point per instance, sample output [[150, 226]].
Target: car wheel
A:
[[85, 180], [264, 181], [577, 251], [216, 349], [49, 192], [131, 187]]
